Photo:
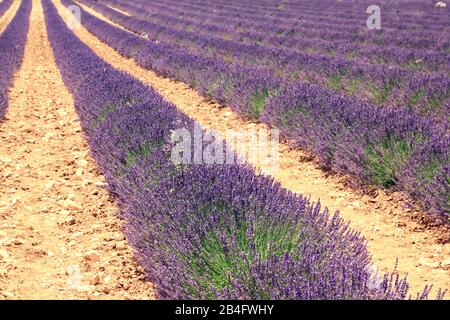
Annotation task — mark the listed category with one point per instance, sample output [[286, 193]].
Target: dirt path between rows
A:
[[59, 234], [392, 230], [9, 14]]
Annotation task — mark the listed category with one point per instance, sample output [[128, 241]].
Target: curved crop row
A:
[[206, 231], [12, 44], [377, 146]]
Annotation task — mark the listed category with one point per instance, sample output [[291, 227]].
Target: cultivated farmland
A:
[[209, 149]]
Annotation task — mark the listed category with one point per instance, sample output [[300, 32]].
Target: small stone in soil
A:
[[71, 205], [18, 241], [95, 280], [92, 256], [101, 184]]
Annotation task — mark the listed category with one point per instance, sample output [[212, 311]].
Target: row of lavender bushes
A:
[[425, 92], [291, 34], [207, 231], [12, 45], [384, 147]]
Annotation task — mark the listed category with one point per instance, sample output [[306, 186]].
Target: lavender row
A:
[[207, 231], [383, 156], [396, 87], [404, 38], [12, 45], [270, 34], [4, 6]]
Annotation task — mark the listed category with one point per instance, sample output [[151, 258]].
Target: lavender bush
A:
[[378, 146]]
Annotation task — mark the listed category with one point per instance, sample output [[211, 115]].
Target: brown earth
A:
[[60, 237], [392, 229]]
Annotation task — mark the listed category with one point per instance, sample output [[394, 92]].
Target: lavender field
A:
[[376, 108], [359, 93]]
